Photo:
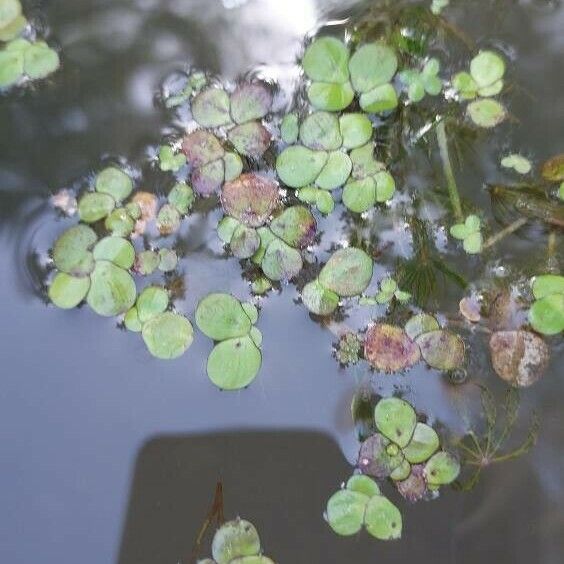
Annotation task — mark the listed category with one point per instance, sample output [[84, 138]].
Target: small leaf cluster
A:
[[469, 233], [388, 291], [546, 314]]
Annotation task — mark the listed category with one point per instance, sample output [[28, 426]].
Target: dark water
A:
[[109, 455]]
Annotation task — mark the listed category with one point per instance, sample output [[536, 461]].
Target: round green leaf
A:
[[383, 519], [132, 321], [245, 242], [71, 252], [266, 237], [330, 96], [465, 85], [441, 469], [181, 196], [335, 172], [221, 316], [117, 250], [210, 108], [356, 130], [112, 289], [115, 182], [94, 206], [233, 539], [233, 364], [40, 60], [363, 484], [320, 131], [380, 99], [401, 472], [441, 349], [250, 100], [167, 335], [233, 166], [289, 128], [486, 112], [395, 419], [547, 284], [473, 243], [486, 68], [364, 163], [251, 310], [226, 227], [281, 262], [13, 29], [250, 139], [256, 336], [151, 301], [419, 324], [372, 65], [324, 202], [318, 299], [345, 511], [10, 10], [68, 291], [547, 315], [348, 272], [146, 262], [119, 222], [295, 226], [385, 186], [11, 67], [168, 220], [422, 445], [250, 198], [298, 166], [326, 60]]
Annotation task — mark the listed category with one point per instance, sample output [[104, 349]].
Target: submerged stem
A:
[[448, 172], [517, 224]]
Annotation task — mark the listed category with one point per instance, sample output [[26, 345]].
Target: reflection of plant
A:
[[479, 451]]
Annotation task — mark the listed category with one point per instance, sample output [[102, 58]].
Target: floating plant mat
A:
[[305, 195]]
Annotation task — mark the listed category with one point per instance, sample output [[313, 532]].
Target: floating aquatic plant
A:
[[518, 163], [388, 291], [361, 504], [406, 451], [547, 312], [348, 349], [425, 81], [236, 358], [469, 233]]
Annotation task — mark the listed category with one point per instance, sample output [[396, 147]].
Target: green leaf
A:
[[13, 29], [40, 60], [181, 197], [281, 262], [9, 11], [364, 163], [395, 419], [441, 469], [11, 67], [210, 108], [201, 147], [168, 220], [233, 364], [486, 68], [152, 301], [250, 100], [460, 231], [207, 179], [326, 60], [318, 299], [486, 112], [115, 182], [372, 65], [168, 161], [71, 252], [68, 291], [363, 484], [131, 320], [383, 519], [94, 206], [419, 324], [330, 96], [517, 162], [547, 284], [473, 243], [348, 272], [401, 472], [320, 131], [167, 335], [380, 99], [226, 228], [221, 316], [442, 349], [256, 336], [168, 260], [298, 166], [345, 511], [465, 85], [245, 242], [112, 289], [359, 195], [116, 250], [289, 128], [422, 445], [233, 166], [146, 262], [250, 139], [356, 130], [385, 186], [547, 315], [335, 172], [295, 226], [119, 222]]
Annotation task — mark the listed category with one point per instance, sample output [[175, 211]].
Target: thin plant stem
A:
[[511, 228], [448, 172]]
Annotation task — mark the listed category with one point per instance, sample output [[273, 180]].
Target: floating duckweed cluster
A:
[[236, 542], [20, 57]]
